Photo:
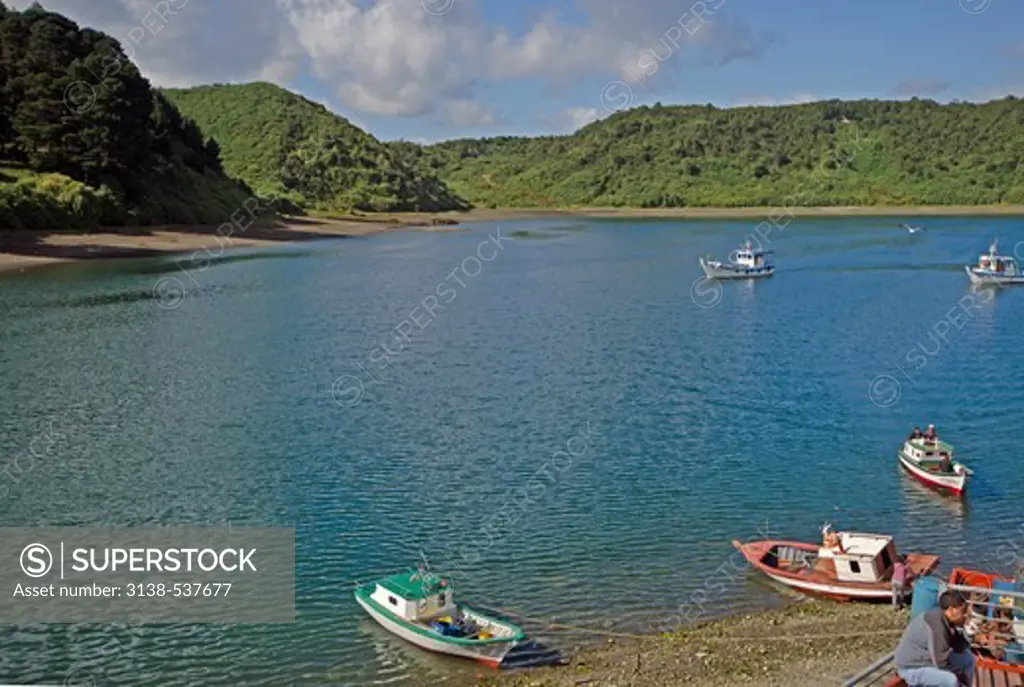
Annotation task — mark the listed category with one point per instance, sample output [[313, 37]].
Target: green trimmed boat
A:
[[418, 607], [930, 461]]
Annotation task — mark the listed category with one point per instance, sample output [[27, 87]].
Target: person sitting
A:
[[932, 652], [945, 463], [831, 540], [916, 434]]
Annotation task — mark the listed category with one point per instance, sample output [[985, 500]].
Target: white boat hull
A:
[[833, 590], [714, 270], [491, 654], [955, 483], [985, 277]]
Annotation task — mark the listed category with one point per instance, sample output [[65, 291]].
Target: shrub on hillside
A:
[[53, 202]]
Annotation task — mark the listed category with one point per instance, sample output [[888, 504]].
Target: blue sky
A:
[[433, 69]]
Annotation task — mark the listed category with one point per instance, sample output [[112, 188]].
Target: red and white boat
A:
[[848, 566], [930, 461]]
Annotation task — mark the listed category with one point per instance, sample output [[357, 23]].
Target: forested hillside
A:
[[85, 141], [826, 153], [281, 143]]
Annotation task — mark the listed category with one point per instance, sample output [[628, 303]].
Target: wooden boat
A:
[[850, 566], [418, 607], [931, 462], [744, 263], [995, 621], [995, 269]]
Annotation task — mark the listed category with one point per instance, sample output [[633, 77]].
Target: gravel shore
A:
[[807, 644]]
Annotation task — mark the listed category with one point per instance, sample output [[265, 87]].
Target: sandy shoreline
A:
[[20, 250], [806, 644]]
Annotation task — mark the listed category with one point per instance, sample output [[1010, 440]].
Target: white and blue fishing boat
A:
[[744, 263], [418, 607], [995, 269]]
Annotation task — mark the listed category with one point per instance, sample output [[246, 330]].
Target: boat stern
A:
[[922, 563]]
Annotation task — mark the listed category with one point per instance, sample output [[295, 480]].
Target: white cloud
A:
[[185, 42], [578, 117], [395, 58], [469, 113]]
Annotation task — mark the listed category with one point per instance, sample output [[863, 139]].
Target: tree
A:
[[6, 66], [39, 116]]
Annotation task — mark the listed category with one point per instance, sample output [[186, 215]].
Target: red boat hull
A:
[[821, 583], [933, 484]]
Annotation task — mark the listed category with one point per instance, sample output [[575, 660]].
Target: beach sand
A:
[[20, 250], [806, 644]]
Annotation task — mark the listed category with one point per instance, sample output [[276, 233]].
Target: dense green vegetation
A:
[[284, 145], [85, 141], [826, 153]]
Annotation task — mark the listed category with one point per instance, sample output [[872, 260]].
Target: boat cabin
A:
[[924, 451], [746, 256], [1000, 264], [861, 557], [415, 596]]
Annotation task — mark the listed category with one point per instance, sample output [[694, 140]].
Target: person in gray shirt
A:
[[932, 652]]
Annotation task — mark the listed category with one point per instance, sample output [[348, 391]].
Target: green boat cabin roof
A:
[[413, 586], [936, 447]]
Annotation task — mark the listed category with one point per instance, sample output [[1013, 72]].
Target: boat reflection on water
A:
[[400, 659], [918, 498]]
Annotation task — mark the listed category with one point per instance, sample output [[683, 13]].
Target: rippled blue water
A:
[[699, 416]]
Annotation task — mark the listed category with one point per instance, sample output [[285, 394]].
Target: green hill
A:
[[85, 141], [285, 145], [827, 153]]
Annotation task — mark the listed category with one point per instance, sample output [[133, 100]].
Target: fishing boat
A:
[[744, 263], [419, 607], [846, 566], [995, 269], [930, 461]]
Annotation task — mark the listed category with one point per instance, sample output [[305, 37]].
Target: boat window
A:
[[854, 567], [392, 601], [440, 598]]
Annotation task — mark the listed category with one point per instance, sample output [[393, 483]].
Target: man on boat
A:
[[929, 434], [932, 652], [902, 576], [916, 434]]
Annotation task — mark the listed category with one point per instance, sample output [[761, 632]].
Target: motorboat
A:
[[993, 268], [419, 607], [744, 263], [846, 566], [930, 461]]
